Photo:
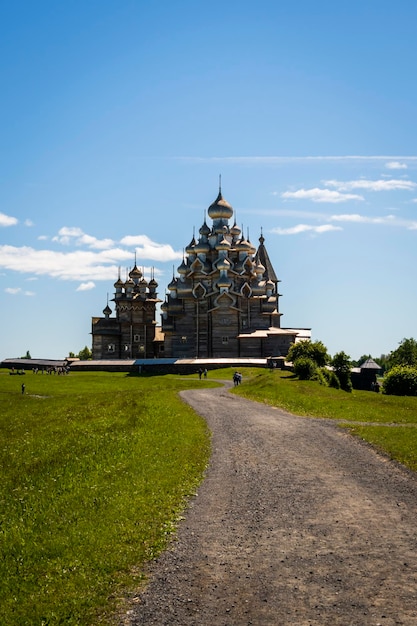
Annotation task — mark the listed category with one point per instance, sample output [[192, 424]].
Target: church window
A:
[[225, 340], [110, 347], [137, 338], [183, 339]]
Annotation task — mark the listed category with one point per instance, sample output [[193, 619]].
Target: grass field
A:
[[95, 470]]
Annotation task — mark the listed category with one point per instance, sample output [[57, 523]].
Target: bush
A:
[[328, 378], [401, 380], [305, 368], [314, 350]]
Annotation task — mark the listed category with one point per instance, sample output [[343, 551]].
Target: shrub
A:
[[305, 368], [314, 350], [328, 378], [401, 380]]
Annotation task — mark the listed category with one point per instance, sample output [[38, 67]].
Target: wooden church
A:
[[223, 303]]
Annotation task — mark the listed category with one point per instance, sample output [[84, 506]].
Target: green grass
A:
[[387, 422], [95, 472], [96, 469]]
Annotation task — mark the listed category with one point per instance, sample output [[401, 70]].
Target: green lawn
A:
[[95, 471]]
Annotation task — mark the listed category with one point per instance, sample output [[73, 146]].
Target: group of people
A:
[[202, 372], [237, 378]]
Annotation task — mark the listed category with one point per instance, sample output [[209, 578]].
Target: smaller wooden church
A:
[[223, 303]]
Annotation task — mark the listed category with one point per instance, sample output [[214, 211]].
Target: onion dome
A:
[[119, 284], [252, 248], [235, 230], [173, 285], [243, 244], [259, 268], [220, 208], [107, 311], [223, 244], [183, 269], [153, 284], [204, 230], [190, 248], [135, 274], [202, 247]]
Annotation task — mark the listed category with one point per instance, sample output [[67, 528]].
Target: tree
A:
[[314, 350], [405, 354], [401, 380], [85, 354], [305, 368], [341, 366]]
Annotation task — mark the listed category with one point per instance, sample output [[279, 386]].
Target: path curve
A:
[[296, 523]]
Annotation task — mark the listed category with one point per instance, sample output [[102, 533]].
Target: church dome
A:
[[182, 269], [202, 248], [235, 230], [204, 230], [220, 208], [135, 273], [190, 248], [223, 244]]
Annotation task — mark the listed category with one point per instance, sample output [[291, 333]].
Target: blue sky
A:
[[117, 119]]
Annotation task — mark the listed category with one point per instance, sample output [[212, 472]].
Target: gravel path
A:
[[296, 523]]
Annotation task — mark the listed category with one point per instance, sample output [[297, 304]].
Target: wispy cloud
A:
[[363, 219], [306, 228], [7, 220], [396, 165], [14, 291], [372, 185], [321, 195]]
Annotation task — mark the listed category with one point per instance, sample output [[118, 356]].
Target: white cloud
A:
[[304, 228], [79, 265], [372, 185], [86, 286], [363, 219], [320, 195], [28, 223], [73, 234], [7, 220], [396, 165], [14, 291], [148, 249]]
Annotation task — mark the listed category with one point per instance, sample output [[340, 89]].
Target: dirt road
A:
[[297, 523]]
